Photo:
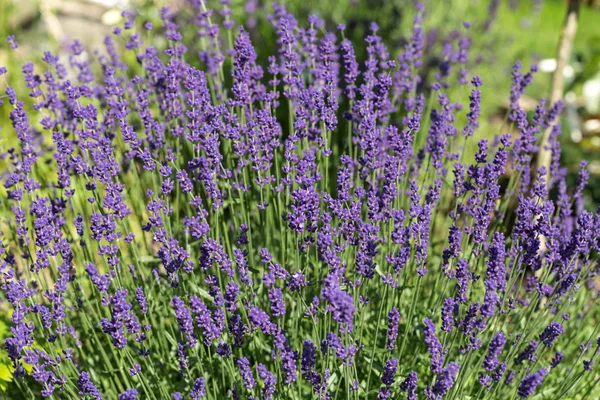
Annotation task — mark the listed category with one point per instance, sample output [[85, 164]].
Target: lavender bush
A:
[[311, 228]]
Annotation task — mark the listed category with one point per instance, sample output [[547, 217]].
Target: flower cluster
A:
[[224, 223]]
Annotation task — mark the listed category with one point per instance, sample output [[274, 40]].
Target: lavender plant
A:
[[311, 228]]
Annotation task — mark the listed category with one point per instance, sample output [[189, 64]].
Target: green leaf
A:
[[170, 338], [5, 373]]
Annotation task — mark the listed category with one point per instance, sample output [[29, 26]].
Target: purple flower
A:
[[341, 303], [496, 274], [455, 233], [434, 346], [231, 293], [495, 349], [12, 42], [182, 357], [289, 357], [141, 299], [392, 333], [387, 378], [475, 108], [445, 380], [384, 393], [351, 68], [485, 380], [582, 180], [244, 366], [497, 375], [510, 377], [277, 302], [462, 277], [489, 304], [135, 369], [309, 357], [223, 350], [87, 387], [344, 352], [409, 385], [260, 320], [129, 394], [198, 391], [528, 353], [557, 359], [184, 318], [530, 383], [551, 333], [448, 315], [270, 382], [244, 70]]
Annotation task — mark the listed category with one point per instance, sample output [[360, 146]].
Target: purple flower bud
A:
[[309, 357], [551, 333], [87, 387], [446, 380], [392, 333], [277, 302], [387, 378], [409, 385], [495, 349], [528, 354], [129, 394], [270, 382], [434, 347], [244, 366], [12, 42], [448, 315], [557, 359], [141, 299], [530, 383], [198, 391]]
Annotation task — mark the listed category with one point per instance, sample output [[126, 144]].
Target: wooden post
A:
[[565, 45]]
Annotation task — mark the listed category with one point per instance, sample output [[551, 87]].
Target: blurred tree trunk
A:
[[565, 45]]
